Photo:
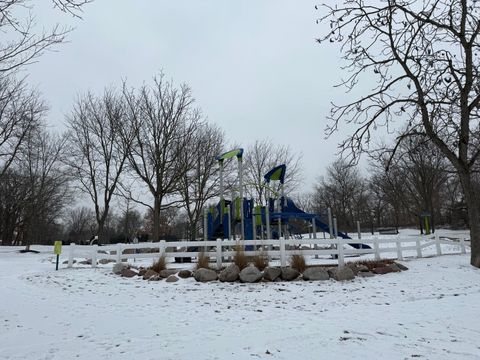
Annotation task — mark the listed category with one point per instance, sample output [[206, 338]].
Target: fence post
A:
[[341, 256], [119, 253], [219, 254], [376, 248], [71, 251], [314, 229], [399, 248], [462, 245], [161, 248], [283, 260], [437, 243], [419, 248], [94, 255]]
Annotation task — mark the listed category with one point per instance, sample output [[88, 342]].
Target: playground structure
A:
[[241, 218]]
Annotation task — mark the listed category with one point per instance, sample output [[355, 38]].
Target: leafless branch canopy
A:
[[424, 56], [73, 7], [161, 154], [21, 42], [98, 148], [261, 157], [21, 112]]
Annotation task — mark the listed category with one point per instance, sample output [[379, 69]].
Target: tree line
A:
[[393, 192], [124, 149], [152, 148]]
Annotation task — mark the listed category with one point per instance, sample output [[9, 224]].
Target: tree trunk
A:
[[101, 233], [156, 219], [473, 218]]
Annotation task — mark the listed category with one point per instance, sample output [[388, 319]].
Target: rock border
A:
[[251, 274]]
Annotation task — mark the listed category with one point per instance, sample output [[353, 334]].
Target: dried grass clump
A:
[[298, 263], [203, 260], [160, 264], [260, 261], [239, 258], [372, 264]]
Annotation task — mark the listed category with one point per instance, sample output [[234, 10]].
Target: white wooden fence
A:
[[281, 249]]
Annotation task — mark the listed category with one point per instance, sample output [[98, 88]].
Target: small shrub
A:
[[298, 263], [260, 261], [160, 264], [203, 260], [239, 258]]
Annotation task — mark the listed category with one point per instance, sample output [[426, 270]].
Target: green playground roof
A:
[[276, 174], [230, 154]]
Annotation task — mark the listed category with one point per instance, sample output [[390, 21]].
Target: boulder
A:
[[171, 279], [229, 274], [383, 270], [204, 275], [149, 273], [365, 274], [362, 268], [128, 273], [105, 261], [167, 272], [142, 271], [401, 266], [315, 273], [250, 275], [118, 267], [354, 268], [155, 278], [271, 273], [289, 274], [184, 274], [394, 267], [342, 273]]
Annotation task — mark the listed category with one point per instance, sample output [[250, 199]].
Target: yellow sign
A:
[[57, 250]]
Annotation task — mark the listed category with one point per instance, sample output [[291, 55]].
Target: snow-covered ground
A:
[[430, 312]]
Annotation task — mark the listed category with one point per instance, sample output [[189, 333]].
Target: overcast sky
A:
[[254, 66]]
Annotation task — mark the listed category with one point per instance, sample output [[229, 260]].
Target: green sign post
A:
[[57, 250]]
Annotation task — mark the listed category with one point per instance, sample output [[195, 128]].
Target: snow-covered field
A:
[[431, 311]]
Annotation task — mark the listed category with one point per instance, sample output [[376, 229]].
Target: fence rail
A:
[[219, 250]]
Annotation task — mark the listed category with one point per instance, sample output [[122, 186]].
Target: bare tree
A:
[[80, 224], [130, 223], [200, 184], [345, 191], [73, 7], [424, 57], [166, 121], [48, 185], [261, 157], [130, 220], [22, 45], [34, 192], [13, 193], [98, 148], [21, 113], [424, 171], [411, 182], [391, 205]]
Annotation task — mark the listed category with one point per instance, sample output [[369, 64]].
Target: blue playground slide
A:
[[291, 208]]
